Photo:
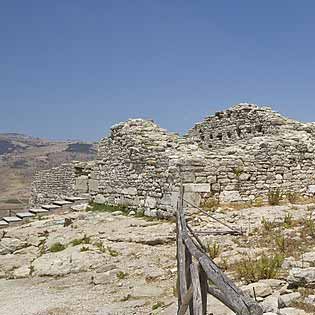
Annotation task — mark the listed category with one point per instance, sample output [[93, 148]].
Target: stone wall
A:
[[235, 155], [53, 184], [132, 167], [241, 122]]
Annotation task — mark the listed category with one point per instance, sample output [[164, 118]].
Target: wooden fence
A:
[[196, 270]]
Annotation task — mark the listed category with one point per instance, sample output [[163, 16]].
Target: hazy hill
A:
[[21, 155]]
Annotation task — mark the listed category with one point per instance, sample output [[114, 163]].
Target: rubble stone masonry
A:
[[235, 155]]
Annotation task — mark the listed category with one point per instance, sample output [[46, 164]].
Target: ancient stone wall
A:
[[132, 167], [236, 155], [53, 184], [241, 122]]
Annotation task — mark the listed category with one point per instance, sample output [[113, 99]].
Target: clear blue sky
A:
[[72, 68]]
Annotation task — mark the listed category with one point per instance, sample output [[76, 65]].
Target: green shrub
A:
[[112, 252], [238, 171], [210, 204], [157, 305], [288, 221], [121, 275], [274, 197], [57, 247], [100, 246], [267, 225], [78, 241], [214, 250], [265, 267], [281, 243]]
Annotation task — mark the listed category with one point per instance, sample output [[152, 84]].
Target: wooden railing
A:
[[196, 270]]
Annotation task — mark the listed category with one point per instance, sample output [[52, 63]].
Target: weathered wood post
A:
[[184, 260]]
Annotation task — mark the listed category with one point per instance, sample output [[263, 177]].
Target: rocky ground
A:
[[110, 263]]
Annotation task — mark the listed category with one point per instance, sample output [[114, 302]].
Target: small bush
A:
[[274, 197], [121, 275], [281, 243], [112, 252], [265, 267], [210, 203], [214, 250], [288, 221], [267, 225], [57, 247], [238, 171], [78, 241], [258, 202], [293, 197], [84, 249], [308, 227], [100, 246], [157, 305]]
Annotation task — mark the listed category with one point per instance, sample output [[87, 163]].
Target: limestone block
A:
[[230, 196], [197, 188], [129, 191], [150, 202], [99, 199], [311, 189], [93, 185], [81, 184]]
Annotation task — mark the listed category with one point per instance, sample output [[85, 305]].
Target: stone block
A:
[[230, 196], [197, 188], [81, 184], [93, 185], [129, 191], [150, 202]]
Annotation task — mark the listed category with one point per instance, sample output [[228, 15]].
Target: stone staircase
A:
[[44, 209]]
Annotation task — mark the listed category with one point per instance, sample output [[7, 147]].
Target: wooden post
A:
[[204, 289], [198, 303], [184, 258]]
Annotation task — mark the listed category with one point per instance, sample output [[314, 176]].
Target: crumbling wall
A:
[[241, 122], [53, 184], [235, 155], [133, 168]]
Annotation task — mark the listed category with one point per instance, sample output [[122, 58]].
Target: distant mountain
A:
[[21, 155]]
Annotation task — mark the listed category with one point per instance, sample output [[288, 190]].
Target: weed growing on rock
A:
[[84, 249], [288, 221], [293, 197], [274, 197], [112, 252], [121, 275], [157, 305], [57, 247], [214, 250], [254, 269], [210, 204], [78, 241], [267, 225]]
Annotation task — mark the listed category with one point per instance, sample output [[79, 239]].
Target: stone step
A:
[[38, 211], [24, 215], [3, 223], [62, 202], [11, 219], [50, 207], [74, 199]]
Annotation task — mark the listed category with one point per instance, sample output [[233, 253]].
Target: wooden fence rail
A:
[[196, 269]]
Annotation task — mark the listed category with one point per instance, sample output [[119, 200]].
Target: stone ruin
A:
[[235, 155]]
